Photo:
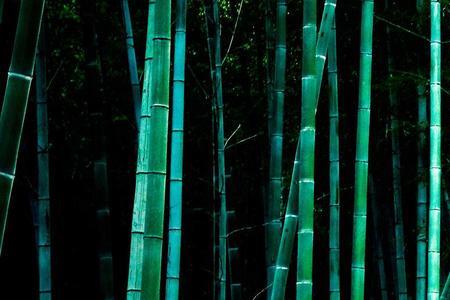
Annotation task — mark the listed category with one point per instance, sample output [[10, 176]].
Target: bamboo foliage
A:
[[176, 156], [158, 136], [305, 231], [291, 215], [143, 174], [362, 153], [396, 179], [132, 65], [16, 99], [334, 245], [435, 153], [273, 228], [43, 240]]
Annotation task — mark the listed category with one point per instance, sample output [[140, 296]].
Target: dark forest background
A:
[[74, 229]]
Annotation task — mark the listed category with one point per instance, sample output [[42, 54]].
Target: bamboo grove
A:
[[224, 149]]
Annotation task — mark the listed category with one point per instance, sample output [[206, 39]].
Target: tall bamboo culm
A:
[[334, 244], [158, 138], [16, 99], [176, 156], [2, 5], [132, 65], [435, 153], [223, 228], [273, 228], [422, 194], [43, 237], [143, 174], [291, 215], [305, 231], [396, 176], [362, 153]]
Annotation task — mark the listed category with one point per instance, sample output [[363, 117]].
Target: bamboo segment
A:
[[362, 153], [132, 65], [376, 229], [143, 174], [305, 231], [2, 5], [446, 291], [291, 214], [396, 179], [273, 228], [176, 156], [43, 239], [334, 245], [16, 99], [435, 153], [158, 136]]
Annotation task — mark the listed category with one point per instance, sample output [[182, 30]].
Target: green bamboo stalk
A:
[[291, 214], [2, 5], [362, 153], [334, 245], [305, 230], [421, 223], [143, 174], [446, 291], [132, 65], [396, 178], [176, 156], [376, 229], [273, 228], [435, 153], [158, 136], [222, 269], [16, 99], [43, 240]]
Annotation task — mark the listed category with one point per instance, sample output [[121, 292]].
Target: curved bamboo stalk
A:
[[43, 236], [396, 178], [143, 174], [305, 231], [362, 153], [132, 65], [334, 245], [446, 291], [435, 153], [16, 99], [176, 156], [158, 136], [273, 228], [291, 214]]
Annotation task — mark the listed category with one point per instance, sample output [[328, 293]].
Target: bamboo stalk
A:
[[143, 174], [176, 156], [273, 228], [132, 65], [435, 153], [16, 99], [158, 136], [362, 153], [446, 291], [334, 245], [43, 236], [396, 178]]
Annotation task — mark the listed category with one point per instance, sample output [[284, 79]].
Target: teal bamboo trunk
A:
[[176, 156], [446, 291], [396, 177], [43, 240], [291, 214], [158, 139], [221, 182], [96, 106], [362, 153], [132, 65], [273, 228], [143, 174], [16, 99], [435, 153], [305, 231], [334, 245]]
